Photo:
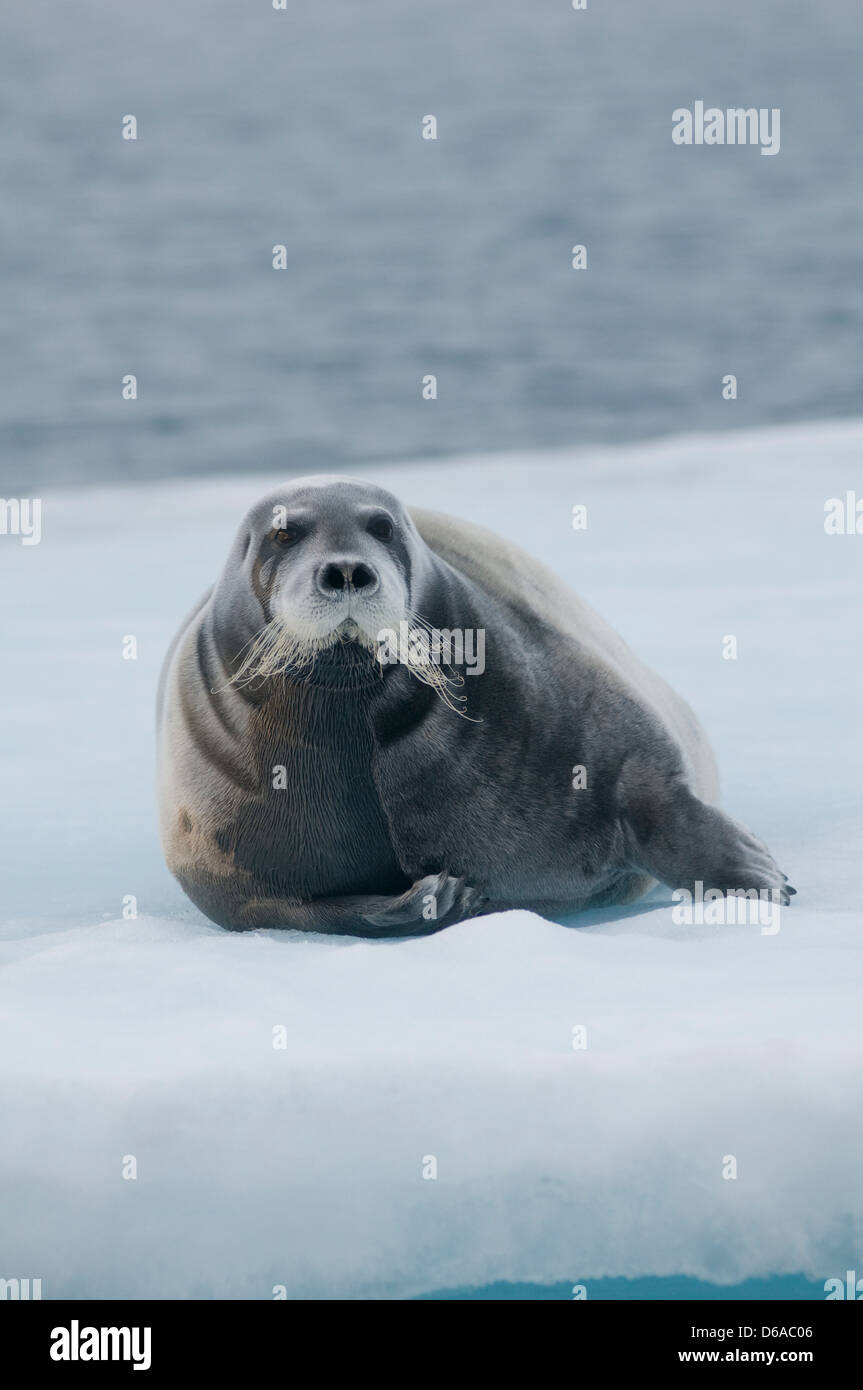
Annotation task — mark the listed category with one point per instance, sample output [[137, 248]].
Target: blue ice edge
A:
[[791, 1287]]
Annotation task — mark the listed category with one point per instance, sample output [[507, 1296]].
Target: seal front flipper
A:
[[682, 840], [433, 902], [438, 900]]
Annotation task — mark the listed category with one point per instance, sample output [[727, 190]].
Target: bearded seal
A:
[[306, 782]]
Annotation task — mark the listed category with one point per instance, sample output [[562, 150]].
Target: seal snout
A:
[[339, 578]]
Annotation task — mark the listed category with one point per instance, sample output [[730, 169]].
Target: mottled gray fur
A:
[[399, 815]]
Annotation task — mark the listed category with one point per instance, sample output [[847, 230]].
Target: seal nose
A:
[[351, 576]]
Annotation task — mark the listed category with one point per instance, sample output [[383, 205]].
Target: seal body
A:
[[305, 783]]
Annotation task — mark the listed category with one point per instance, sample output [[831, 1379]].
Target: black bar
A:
[[235, 1337]]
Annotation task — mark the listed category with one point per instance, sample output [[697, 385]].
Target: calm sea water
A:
[[405, 256]]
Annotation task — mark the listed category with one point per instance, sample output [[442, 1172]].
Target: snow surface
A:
[[302, 1166]]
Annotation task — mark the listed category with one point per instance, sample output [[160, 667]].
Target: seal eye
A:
[[288, 535], [381, 528]]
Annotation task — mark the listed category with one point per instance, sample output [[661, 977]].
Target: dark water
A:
[[405, 256], [787, 1287]]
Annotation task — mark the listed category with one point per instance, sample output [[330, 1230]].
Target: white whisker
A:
[[276, 650]]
